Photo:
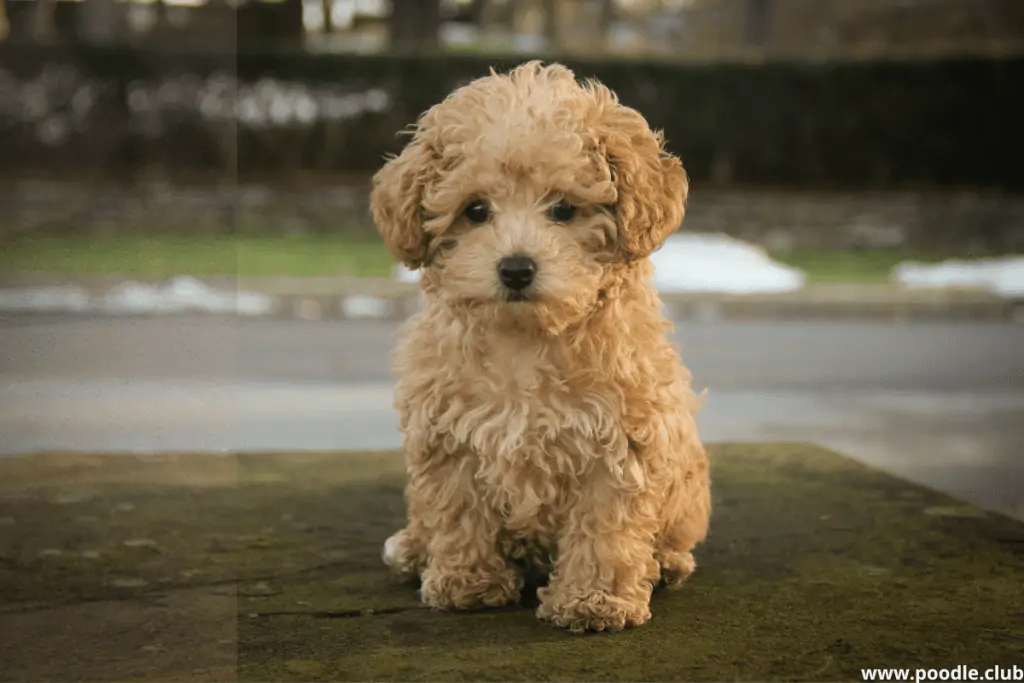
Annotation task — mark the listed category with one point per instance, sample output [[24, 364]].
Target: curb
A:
[[340, 298]]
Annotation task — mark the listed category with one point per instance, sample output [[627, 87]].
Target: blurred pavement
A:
[[939, 403]]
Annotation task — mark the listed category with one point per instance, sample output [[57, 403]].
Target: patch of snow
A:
[[253, 303], [44, 299], [365, 307], [701, 262], [182, 294], [1001, 276], [403, 274]]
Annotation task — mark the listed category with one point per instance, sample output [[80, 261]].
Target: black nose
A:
[[517, 272]]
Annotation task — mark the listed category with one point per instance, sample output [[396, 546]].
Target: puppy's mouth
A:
[[517, 296]]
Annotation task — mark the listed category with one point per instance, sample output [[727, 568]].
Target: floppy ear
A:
[[396, 200], [651, 183]]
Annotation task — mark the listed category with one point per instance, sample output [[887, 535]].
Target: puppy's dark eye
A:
[[478, 212], [562, 212]]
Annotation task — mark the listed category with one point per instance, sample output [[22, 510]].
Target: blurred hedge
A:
[[853, 125]]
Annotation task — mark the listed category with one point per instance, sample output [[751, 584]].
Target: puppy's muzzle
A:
[[517, 272]]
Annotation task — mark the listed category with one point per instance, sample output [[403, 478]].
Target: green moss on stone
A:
[[267, 567]]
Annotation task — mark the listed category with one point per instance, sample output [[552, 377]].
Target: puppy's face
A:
[[521, 232], [520, 196]]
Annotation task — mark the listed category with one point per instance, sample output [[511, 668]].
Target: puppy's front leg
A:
[[606, 568], [464, 568]]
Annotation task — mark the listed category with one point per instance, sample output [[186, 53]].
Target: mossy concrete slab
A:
[[267, 567]]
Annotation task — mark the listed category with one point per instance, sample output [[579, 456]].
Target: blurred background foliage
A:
[[676, 29], [804, 124]]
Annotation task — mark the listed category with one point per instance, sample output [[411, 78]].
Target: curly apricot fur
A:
[[559, 430]]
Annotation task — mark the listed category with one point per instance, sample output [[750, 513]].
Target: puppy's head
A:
[[524, 196]]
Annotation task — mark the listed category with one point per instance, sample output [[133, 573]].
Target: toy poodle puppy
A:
[[547, 420]]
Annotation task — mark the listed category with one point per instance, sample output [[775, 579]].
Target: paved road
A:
[[938, 403]]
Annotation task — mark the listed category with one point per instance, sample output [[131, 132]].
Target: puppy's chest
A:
[[527, 408], [534, 428]]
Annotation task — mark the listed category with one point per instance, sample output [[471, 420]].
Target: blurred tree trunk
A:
[[274, 23], [496, 18], [44, 21], [325, 9], [100, 21], [758, 23], [416, 24], [497, 13], [288, 25], [605, 21], [550, 10], [160, 20], [5, 24], [987, 17]]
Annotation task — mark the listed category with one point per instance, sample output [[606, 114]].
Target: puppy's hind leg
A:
[[405, 553], [687, 514]]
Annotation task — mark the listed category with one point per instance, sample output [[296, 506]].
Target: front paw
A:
[[467, 589], [675, 568], [595, 611]]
